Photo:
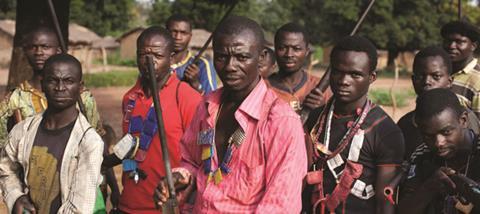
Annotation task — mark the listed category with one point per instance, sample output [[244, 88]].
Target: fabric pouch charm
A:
[[129, 165], [315, 177], [140, 155], [207, 152], [206, 137], [145, 141], [124, 146], [218, 176], [136, 124], [150, 127]]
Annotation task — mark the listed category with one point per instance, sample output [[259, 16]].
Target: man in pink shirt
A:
[[244, 150]]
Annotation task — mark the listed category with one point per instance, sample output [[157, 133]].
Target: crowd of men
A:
[[243, 148]]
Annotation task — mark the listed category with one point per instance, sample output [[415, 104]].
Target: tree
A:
[[7, 9], [393, 25], [103, 16], [271, 14], [29, 15]]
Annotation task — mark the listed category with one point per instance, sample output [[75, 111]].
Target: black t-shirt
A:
[[44, 168], [423, 163], [413, 137], [382, 145], [411, 134]]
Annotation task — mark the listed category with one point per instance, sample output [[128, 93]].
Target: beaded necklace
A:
[[143, 132], [234, 140], [323, 146]]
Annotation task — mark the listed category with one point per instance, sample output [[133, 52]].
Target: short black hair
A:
[[432, 51], [40, 29], [463, 28], [178, 18], [156, 30], [432, 102], [358, 44], [292, 27], [234, 25], [64, 58]]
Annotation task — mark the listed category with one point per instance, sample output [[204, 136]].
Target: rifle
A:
[[171, 206], [324, 81], [63, 45], [205, 45], [467, 188]]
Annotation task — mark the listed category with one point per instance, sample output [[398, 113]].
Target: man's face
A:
[[39, 47], [61, 85], [350, 76], [266, 65], [459, 47], [236, 59], [444, 133], [291, 50], [431, 73], [181, 33], [157, 47]]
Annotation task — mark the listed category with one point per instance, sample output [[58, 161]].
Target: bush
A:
[[382, 97], [111, 78]]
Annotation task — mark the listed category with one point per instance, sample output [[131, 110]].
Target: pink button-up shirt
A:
[[267, 169]]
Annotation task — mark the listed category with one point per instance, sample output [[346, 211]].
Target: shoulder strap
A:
[[84, 133]]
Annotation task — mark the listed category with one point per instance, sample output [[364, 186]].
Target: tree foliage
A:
[[103, 16], [7, 9], [393, 25], [205, 14]]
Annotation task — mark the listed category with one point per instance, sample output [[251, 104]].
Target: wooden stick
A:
[[17, 115], [57, 26], [459, 9], [171, 206], [63, 45], [205, 46]]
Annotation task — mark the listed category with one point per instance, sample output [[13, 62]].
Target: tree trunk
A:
[[31, 14], [392, 55]]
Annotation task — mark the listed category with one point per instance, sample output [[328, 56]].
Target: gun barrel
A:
[[324, 81], [172, 203]]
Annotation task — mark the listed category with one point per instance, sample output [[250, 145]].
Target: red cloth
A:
[[267, 169], [138, 198]]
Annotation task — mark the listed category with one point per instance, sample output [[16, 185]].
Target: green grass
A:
[[382, 97], [115, 59], [386, 73], [111, 78]]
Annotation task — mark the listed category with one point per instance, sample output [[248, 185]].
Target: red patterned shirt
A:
[[267, 169], [177, 114]]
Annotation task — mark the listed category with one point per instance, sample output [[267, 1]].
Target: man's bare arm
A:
[[385, 174]]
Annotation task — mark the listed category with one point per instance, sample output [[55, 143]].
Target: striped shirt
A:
[[207, 75], [267, 169], [423, 163], [466, 84]]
